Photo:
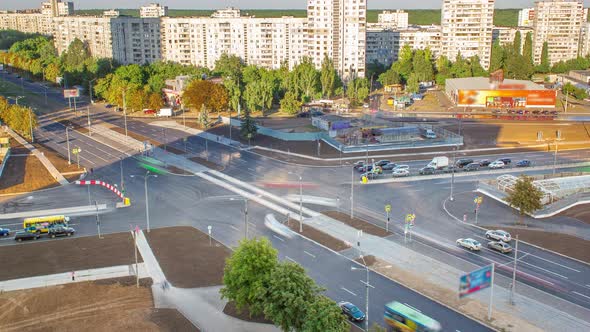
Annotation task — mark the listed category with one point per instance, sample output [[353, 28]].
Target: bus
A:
[[404, 318], [41, 224]]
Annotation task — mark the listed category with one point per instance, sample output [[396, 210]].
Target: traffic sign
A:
[[209, 229], [76, 150], [478, 200], [388, 208]]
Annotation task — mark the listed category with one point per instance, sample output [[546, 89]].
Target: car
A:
[[523, 163], [359, 164], [303, 114], [427, 170], [500, 246], [506, 161], [17, 76], [149, 111], [497, 164], [536, 112], [369, 175], [450, 169], [469, 243], [520, 112], [554, 112], [61, 230], [463, 162], [471, 167], [317, 113], [401, 167], [400, 172], [24, 235], [484, 162], [4, 231], [388, 167], [351, 311], [382, 162], [545, 112], [108, 105], [498, 235]]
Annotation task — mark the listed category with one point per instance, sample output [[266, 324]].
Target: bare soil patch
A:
[[186, 257], [580, 212], [16, 147], [65, 255], [562, 243], [231, 310], [357, 223], [208, 164], [318, 236], [60, 162], [171, 320], [370, 260], [24, 174]]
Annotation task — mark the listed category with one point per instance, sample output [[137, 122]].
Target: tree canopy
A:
[[525, 197]]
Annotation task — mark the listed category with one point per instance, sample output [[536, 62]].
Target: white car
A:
[[469, 243], [497, 164], [499, 235], [400, 172], [401, 167]]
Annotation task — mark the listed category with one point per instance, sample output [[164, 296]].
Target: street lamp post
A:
[[513, 285], [147, 202], [90, 90], [352, 193], [367, 292], [453, 173], [97, 220], [68, 144], [245, 214], [125, 111], [88, 115], [300, 201], [31, 125]]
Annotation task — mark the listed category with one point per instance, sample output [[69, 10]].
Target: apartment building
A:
[[383, 45], [526, 16], [153, 10], [393, 19], [229, 12], [111, 13], [93, 30], [135, 40], [337, 29], [559, 23], [28, 23], [266, 42], [467, 29], [506, 35], [55, 8], [584, 48]]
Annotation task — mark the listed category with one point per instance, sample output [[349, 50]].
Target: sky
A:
[[252, 4]]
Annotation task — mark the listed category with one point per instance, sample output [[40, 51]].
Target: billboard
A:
[[507, 98], [71, 93], [475, 281]]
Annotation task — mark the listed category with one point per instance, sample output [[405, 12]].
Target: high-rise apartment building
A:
[[584, 49], [506, 35], [383, 45], [526, 16], [467, 29], [393, 19], [557, 22], [337, 29], [153, 10], [57, 8], [136, 40]]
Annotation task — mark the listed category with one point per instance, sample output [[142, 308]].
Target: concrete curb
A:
[[66, 211]]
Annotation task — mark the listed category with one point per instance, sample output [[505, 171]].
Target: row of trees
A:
[[255, 280], [17, 117]]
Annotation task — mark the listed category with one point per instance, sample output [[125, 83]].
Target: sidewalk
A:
[[52, 170], [71, 211], [66, 277]]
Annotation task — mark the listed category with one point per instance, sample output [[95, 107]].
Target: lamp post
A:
[[125, 111], [68, 144], [300, 201], [90, 90], [97, 221], [453, 173], [31, 125], [88, 115], [367, 292], [147, 203], [245, 213], [352, 193]]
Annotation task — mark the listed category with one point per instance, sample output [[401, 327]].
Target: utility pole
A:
[[90, 90], [453, 173], [246, 217], [566, 97], [513, 288], [125, 111], [352, 193], [31, 124], [135, 231], [68, 144], [88, 115], [97, 220], [555, 157], [122, 179], [300, 204]]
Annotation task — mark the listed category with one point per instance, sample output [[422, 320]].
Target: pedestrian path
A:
[[72, 276], [70, 211], [196, 132], [52, 170]]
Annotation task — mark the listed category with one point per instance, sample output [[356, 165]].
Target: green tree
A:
[[422, 66], [290, 104], [545, 66], [413, 85], [525, 196], [476, 68], [247, 272], [358, 90], [229, 66], [443, 68], [73, 58], [288, 294], [460, 67], [323, 314], [248, 128], [204, 119], [403, 65], [527, 51], [328, 77], [497, 56], [307, 78], [389, 77], [517, 43], [578, 93]]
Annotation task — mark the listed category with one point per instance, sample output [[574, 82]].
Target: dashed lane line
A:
[[586, 296], [278, 238], [346, 290], [309, 254], [365, 283]]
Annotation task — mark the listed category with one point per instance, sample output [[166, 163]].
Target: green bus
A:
[[407, 319]]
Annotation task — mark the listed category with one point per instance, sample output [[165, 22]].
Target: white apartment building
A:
[[506, 35], [383, 45], [94, 31], [229, 12], [557, 22], [28, 23], [584, 48], [153, 10], [136, 40], [266, 42], [526, 16], [467, 29], [111, 13], [57, 8], [337, 29], [393, 19]]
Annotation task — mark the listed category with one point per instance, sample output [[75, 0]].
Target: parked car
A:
[[359, 164], [500, 246], [463, 162], [369, 168], [149, 111], [499, 235], [401, 167], [24, 235], [427, 170], [450, 169], [61, 230], [484, 162], [388, 167], [369, 175], [351, 311], [471, 167], [523, 163], [506, 161], [400, 172], [469, 243], [497, 164], [382, 162], [118, 109], [4, 231], [108, 105]]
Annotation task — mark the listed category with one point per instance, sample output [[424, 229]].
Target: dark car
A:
[[471, 167], [450, 169], [523, 163], [24, 235], [108, 105], [382, 163], [506, 161], [317, 113], [303, 114], [484, 162], [351, 311], [427, 170], [388, 167], [61, 230], [4, 231], [463, 162]]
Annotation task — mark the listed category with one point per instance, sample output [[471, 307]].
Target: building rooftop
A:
[[483, 83]]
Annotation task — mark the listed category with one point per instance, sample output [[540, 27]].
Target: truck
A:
[[439, 162], [165, 112]]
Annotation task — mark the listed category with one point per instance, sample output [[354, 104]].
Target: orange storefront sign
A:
[[522, 98]]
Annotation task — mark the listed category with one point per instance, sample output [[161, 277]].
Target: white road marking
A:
[[346, 290], [567, 267], [312, 255], [412, 307], [234, 227], [291, 259], [365, 283], [278, 238], [251, 170], [586, 296]]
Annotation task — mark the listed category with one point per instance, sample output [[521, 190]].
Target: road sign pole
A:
[[387, 223], [513, 288], [209, 231], [89, 128], [78, 159], [136, 265], [491, 293], [68, 145], [352, 193]]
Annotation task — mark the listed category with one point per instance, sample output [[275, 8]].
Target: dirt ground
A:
[[231, 310], [318, 236], [24, 174], [357, 223], [65, 255], [91, 306], [562, 243], [186, 257], [580, 212], [61, 163]]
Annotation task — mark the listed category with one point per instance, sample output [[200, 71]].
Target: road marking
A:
[[291, 259], [586, 296], [278, 238], [346, 290], [412, 307], [365, 283], [567, 267], [251, 169], [540, 268], [312, 255], [234, 227]]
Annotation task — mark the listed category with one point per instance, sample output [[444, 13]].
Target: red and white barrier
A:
[[100, 183]]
